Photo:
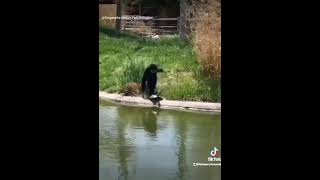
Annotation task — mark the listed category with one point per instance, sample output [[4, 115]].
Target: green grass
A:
[[124, 56]]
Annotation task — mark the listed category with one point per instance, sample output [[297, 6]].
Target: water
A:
[[138, 143]]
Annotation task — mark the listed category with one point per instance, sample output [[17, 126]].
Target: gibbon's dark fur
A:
[[149, 79]]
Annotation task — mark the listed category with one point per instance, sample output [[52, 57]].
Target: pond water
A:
[[138, 143]]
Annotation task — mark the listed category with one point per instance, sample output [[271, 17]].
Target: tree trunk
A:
[[182, 22], [119, 14]]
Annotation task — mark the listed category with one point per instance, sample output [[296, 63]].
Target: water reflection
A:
[[150, 120], [150, 143], [181, 130], [146, 118]]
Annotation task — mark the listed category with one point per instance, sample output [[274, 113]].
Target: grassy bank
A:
[[123, 58]]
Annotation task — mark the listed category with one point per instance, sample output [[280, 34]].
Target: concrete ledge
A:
[[167, 104]]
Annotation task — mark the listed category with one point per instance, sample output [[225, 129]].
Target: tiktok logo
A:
[[214, 155], [214, 152]]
